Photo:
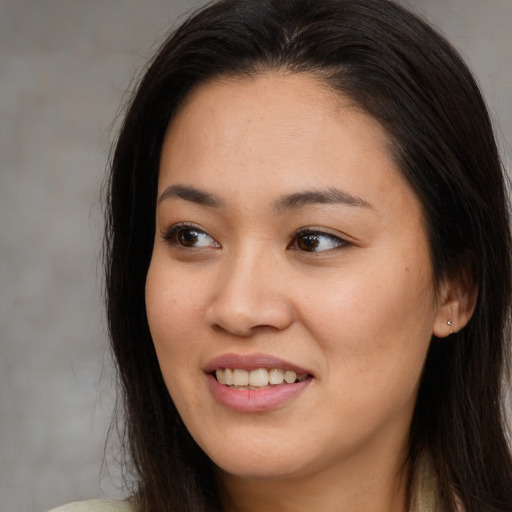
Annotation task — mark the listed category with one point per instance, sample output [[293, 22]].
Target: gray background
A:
[[64, 65]]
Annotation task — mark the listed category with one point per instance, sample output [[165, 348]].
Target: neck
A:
[[378, 487]]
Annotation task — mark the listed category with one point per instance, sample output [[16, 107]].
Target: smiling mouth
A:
[[257, 379]]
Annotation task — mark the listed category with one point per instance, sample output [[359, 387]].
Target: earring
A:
[[450, 324]]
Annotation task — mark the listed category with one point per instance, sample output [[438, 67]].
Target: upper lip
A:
[[252, 362]]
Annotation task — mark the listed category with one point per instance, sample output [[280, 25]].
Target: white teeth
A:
[[290, 377], [229, 378], [257, 378], [276, 376], [241, 377]]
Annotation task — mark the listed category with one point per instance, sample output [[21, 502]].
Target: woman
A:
[[308, 267]]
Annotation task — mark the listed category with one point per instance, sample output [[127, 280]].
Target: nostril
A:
[[230, 328]]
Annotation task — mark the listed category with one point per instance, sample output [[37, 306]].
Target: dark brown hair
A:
[[401, 72]]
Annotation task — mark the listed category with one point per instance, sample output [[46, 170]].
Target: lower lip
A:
[[256, 400]]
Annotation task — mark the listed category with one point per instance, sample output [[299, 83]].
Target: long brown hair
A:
[[401, 72]]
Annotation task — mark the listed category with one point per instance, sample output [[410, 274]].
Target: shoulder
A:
[[96, 506]]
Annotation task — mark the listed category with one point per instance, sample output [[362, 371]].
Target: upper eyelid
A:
[[178, 225], [173, 229], [320, 231], [314, 229]]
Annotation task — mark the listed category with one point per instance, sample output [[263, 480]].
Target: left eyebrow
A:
[[298, 200]]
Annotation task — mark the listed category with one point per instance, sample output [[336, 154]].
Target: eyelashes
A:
[[313, 240], [189, 236], [309, 240]]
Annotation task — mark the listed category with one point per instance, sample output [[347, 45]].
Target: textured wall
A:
[[481, 31], [64, 65]]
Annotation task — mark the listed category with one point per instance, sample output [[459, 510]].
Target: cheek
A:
[[172, 302], [373, 323], [172, 316], [374, 347]]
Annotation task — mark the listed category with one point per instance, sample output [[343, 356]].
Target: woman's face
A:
[[288, 248]]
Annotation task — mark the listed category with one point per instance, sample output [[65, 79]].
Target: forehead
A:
[[270, 121], [297, 103]]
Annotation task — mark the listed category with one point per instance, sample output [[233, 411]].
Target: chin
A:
[[266, 463], [264, 470]]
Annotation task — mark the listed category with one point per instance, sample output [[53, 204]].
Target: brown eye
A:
[[308, 243], [316, 241], [189, 237]]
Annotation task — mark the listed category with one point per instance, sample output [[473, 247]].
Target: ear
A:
[[456, 303]]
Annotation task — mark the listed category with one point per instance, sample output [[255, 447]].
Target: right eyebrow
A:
[[192, 194]]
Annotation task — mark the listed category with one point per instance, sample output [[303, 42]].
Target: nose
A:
[[250, 296]]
